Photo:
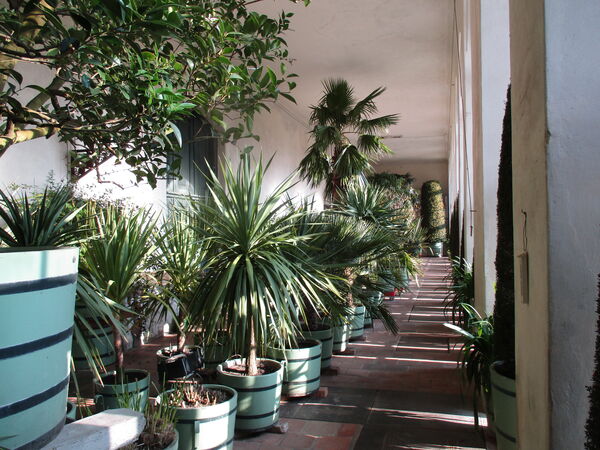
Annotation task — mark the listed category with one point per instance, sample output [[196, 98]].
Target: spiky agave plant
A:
[[258, 280], [117, 256]]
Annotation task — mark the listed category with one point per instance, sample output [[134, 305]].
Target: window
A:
[[198, 154]]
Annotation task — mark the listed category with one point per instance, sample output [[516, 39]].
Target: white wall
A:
[[494, 77]]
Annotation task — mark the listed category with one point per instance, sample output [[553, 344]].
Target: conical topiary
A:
[[433, 215], [592, 427], [504, 308]]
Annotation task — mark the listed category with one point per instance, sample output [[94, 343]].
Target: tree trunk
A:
[[118, 341], [252, 362], [180, 333]]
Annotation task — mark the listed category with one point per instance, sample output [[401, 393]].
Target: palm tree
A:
[[345, 136]]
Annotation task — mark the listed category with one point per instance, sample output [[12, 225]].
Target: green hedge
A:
[[592, 427], [433, 214], [504, 308]]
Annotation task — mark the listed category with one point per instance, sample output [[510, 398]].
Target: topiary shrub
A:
[[433, 215], [592, 427], [504, 307]]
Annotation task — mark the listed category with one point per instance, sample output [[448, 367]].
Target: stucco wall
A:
[[493, 74], [530, 197], [573, 161]]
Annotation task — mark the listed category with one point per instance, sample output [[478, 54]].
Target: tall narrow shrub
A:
[[504, 308], [455, 235], [433, 216], [592, 427]]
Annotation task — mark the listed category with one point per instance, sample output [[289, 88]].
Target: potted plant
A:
[[254, 287], [476, 354], [503, 370], [115, 260], [37, 290], [181, 260], [302, 375], [345, 137], [433, 216], [159, 432], [204, 414]]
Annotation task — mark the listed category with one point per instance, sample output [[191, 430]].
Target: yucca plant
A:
[[39, 221], [476, 354], [256, 283], [116, 257], [461, 290], [181, 259], [345, 136]]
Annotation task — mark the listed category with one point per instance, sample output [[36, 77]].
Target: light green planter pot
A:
[[341, 336], [302, 373], [368, 319], [37, 294], [326, 338], [136, 385], [436, 248], [258, 397], [209, 427], [101, 343], [357, 323], [504, 401], [71, 412]]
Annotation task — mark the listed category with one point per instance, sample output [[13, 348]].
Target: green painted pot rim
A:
[[160, 355], [36, 249], [228, 362], [190, 410], [145, 378]]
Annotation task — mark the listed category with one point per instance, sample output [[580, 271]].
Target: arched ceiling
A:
[[404, 45]]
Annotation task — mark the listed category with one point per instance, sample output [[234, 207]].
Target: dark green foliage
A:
[[461, 291], [592, 427], [504, 308], [346, 136], [397, 184], [455, 241], [433, 215], [125, 71], [45, 220]]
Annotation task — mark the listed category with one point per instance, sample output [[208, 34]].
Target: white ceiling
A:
[[404, 45]]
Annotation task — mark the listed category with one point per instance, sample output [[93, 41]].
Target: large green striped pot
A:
[[258, 396], [37, 298], [325, 336], [504, 401], [208, 427], [302, 374], [135, 386], [100, 341], [341, 336], [368, 319], [357, 321], [436, 248]]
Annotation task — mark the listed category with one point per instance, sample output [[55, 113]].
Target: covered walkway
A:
[[401, 392]]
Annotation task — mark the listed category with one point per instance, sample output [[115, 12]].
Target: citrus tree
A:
[[118, 73]]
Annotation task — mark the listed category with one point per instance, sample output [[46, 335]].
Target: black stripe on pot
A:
[[358, 314], [45, 438], [208, 419], [220, 446], [338, 342], [357, 329], [506, 435], [103, 355], [302, 382], [305, 359], [34, 400], [19, 287], [110, 394], [325, 340], [504, 391], [266, 388], [326, 359], [257, 416], [38, 344]]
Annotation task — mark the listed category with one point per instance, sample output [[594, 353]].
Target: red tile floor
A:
[[393, 392]]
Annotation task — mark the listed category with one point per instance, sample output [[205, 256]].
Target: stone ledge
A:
[[108, 430]]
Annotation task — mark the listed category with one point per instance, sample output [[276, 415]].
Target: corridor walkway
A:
[[395, 392]]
